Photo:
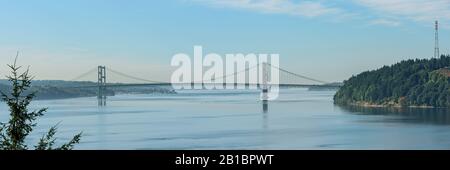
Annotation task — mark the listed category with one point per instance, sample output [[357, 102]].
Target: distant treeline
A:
[[420, 82], [58, 89]]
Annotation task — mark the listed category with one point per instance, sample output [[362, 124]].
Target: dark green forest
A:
[[419, 82]]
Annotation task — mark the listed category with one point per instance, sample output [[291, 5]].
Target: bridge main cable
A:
[[84, 74], [298, 75], [133, 77], [228, 75]]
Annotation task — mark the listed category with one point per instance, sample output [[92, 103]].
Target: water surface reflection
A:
[[440, 116]]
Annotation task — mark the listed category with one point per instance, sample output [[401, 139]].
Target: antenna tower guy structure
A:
[[436, 48]]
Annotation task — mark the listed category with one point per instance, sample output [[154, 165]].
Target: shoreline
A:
[[371, 105]]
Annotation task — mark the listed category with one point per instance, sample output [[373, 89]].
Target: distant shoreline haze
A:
[[59, 89]]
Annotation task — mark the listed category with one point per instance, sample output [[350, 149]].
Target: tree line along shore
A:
[[409, 83]]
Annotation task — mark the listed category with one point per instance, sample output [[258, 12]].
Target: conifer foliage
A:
[[22, 121]]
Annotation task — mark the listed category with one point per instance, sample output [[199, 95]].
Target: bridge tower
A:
[[101, 95], [436, 38]]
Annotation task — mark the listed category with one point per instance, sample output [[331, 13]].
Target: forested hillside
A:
[[420, 82]]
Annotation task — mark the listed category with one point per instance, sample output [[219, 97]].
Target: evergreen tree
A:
[[22, 121]]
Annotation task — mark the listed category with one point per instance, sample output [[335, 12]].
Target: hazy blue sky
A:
[[325, 39]]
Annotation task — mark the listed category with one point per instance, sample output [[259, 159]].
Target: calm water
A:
[[300, 119]]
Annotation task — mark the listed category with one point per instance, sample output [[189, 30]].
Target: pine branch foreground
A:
[[22, 121]]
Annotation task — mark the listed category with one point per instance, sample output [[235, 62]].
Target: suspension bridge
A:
[[286, 79]]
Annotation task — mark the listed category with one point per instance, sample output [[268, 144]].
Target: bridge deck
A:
[[170, 84]]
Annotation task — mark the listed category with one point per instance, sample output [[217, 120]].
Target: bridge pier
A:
[[265, 106], [101, 83], [265, 88]]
